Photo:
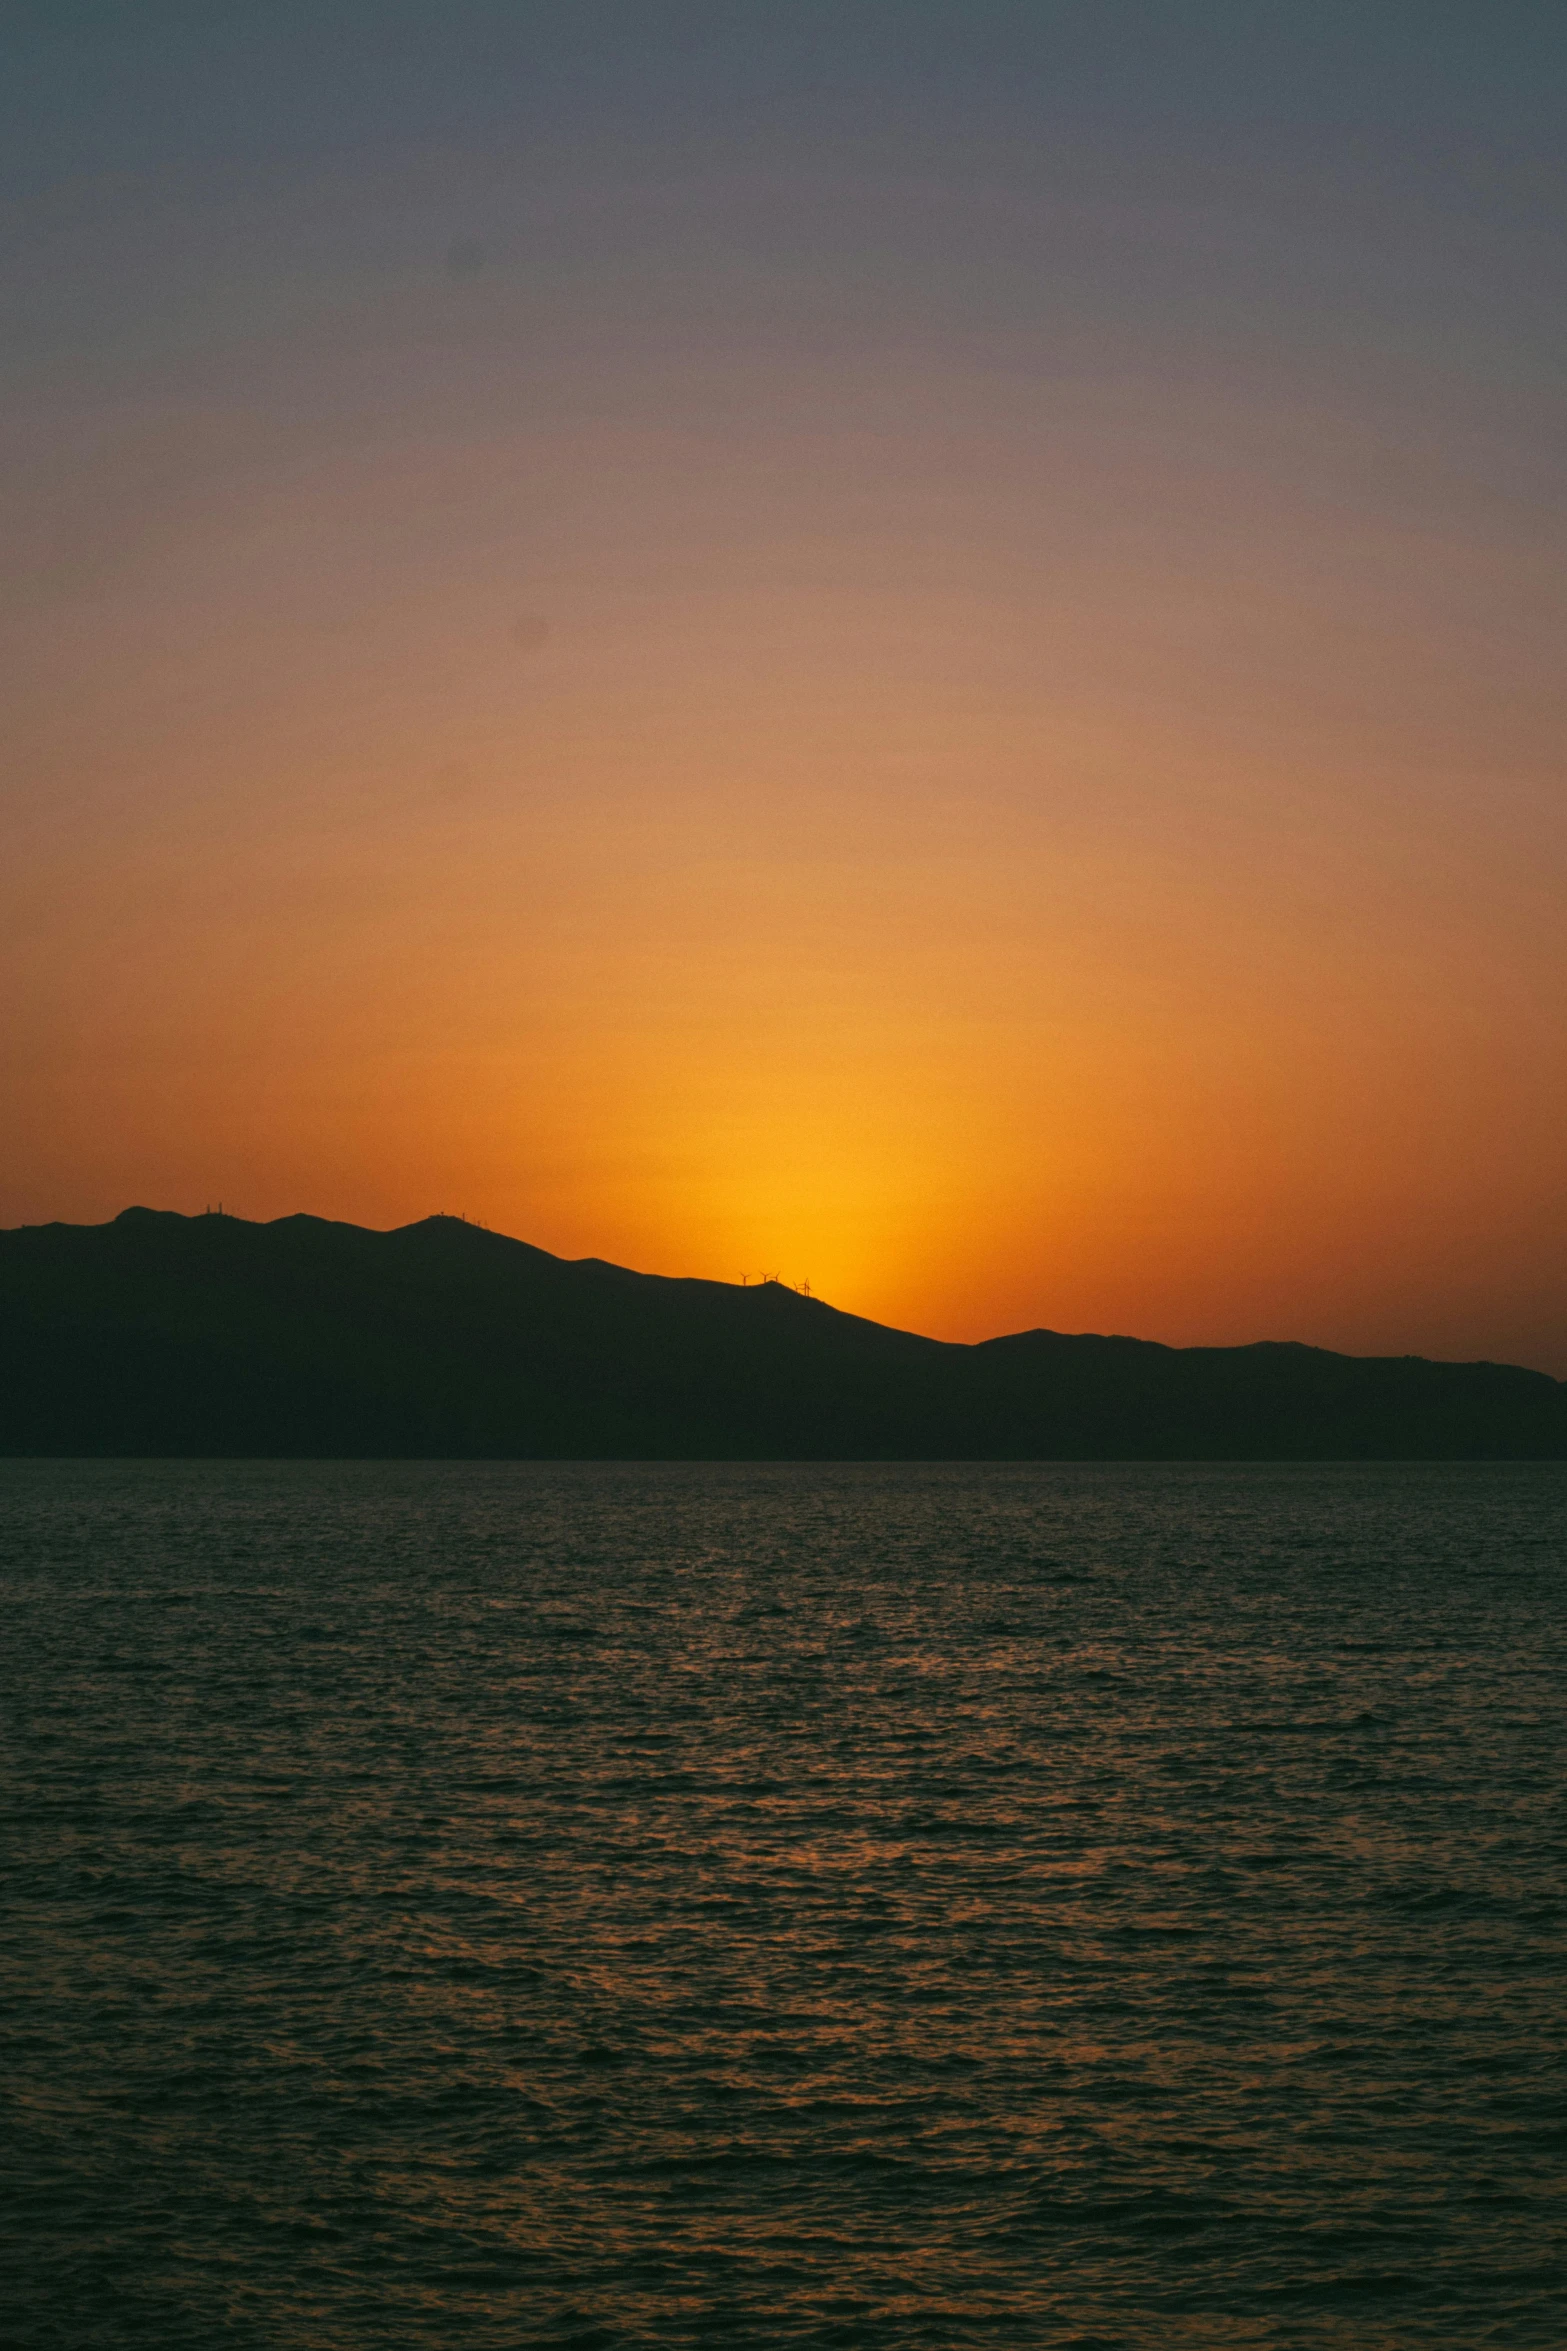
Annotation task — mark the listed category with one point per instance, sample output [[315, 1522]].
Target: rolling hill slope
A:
[[168, 1335]]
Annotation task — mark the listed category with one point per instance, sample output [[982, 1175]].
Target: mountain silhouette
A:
[[168, 1335]]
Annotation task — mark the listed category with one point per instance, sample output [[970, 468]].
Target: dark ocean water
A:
[[493, 1905]]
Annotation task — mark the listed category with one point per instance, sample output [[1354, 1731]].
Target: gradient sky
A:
[[918, 645]]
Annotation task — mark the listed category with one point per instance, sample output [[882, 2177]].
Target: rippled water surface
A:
[[491, 1905]]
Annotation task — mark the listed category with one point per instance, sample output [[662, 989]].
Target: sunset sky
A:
[[917, 645]]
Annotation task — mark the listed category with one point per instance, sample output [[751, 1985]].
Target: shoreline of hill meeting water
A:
[[169, 1336]]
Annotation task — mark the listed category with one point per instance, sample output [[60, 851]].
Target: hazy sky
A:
[[919, 645]]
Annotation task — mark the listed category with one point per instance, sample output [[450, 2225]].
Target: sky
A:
[[917, 646]]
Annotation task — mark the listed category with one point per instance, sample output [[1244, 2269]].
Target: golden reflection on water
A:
[[599, 1925]]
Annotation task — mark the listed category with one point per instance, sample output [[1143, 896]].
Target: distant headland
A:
[[170, 1336]]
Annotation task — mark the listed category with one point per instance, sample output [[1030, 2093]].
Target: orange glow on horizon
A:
[[1068, 873]]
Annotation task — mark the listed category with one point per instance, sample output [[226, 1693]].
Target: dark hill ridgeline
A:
[[170, 1335]]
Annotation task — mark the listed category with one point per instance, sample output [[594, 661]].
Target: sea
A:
[[459, 1905]]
